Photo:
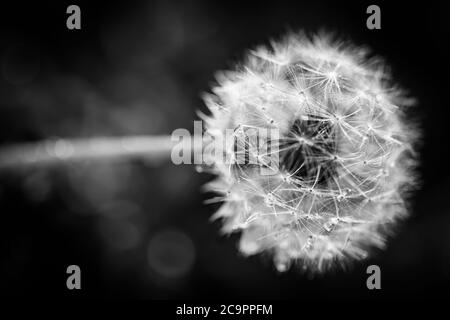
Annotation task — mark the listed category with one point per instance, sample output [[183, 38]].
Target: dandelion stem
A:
[[154, 149]]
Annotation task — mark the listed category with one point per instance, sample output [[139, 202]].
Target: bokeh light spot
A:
[[171, 253]]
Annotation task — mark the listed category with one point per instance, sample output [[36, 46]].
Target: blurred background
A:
[[139, 229]]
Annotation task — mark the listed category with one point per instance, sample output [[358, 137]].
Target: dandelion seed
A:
[[345, 152]]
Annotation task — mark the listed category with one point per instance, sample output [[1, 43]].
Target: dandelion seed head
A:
[[345, 152]]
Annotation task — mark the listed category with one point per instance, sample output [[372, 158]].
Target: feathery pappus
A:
[[333, 181]]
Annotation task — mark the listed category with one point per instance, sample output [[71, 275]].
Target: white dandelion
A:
[[345, 152]]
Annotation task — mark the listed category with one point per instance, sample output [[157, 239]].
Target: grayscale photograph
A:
[[219, 158]]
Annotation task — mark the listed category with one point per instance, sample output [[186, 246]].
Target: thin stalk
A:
[[50, 152]]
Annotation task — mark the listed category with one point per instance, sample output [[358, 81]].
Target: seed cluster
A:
[[344, 152]]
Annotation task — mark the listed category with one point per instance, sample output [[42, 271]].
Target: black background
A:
[[139, 68]]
